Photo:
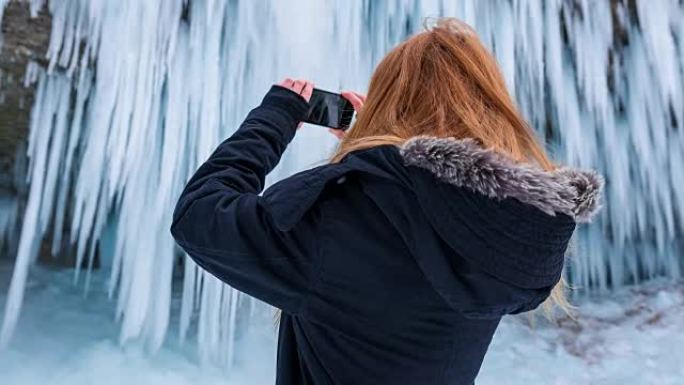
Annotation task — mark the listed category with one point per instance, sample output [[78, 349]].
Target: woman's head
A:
[[443, 82]]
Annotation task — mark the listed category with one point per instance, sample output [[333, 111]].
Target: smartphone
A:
[[329, 109]]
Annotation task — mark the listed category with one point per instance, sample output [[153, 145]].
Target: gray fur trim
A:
[[464, 163]]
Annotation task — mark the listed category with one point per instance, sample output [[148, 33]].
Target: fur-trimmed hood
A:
[[512, 220], [464, 163]]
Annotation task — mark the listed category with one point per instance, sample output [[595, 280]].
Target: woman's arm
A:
[[221, 221]]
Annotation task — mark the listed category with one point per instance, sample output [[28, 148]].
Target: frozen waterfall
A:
[[138, 93]]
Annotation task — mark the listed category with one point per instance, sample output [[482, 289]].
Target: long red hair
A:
[[443, 82]]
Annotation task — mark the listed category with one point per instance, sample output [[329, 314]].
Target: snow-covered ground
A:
[[635, 338]]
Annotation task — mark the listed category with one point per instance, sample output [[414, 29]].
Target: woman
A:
[[439, 214]]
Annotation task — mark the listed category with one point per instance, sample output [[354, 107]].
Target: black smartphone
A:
[[329, 109]]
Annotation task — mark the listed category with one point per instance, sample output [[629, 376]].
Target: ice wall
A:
[[138, 93]]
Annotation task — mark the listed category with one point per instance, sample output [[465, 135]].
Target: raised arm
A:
[[222, 222]]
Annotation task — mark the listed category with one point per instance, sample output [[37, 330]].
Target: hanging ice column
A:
[[138, 93]]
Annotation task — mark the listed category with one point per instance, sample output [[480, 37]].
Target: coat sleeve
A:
[[226, 227]]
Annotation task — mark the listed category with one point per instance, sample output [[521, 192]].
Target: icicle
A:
[[3, 4], [187, 298], [50, 95]]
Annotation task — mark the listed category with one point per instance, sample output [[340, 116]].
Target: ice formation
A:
[[138, 93]]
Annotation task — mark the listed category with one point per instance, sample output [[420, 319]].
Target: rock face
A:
[[24, 39]]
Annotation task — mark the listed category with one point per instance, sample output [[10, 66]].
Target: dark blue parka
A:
[[393, 266]]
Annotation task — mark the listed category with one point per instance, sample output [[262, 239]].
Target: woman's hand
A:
[[302, 87], [299, 86], [357, 100]]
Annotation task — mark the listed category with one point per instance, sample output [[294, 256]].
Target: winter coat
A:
[[393, 266]]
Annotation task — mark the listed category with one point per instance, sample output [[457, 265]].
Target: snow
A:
[[71, 339], [634, 338], [138, 93]]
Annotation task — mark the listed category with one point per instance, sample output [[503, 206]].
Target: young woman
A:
[[438, 214]]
